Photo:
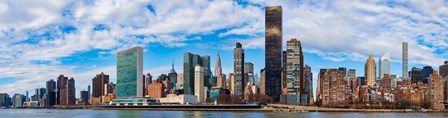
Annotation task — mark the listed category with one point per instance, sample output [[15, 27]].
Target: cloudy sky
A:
[[79, 38]]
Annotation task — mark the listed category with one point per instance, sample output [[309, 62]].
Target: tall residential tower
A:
[[238, 69], [369, 71], [294, 70], [405, 59]]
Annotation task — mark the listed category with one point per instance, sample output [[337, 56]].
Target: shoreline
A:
[[301, 109]]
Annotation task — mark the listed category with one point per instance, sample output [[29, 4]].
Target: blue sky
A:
[[80, 38]]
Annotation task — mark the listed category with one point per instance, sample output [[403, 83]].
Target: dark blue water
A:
[[51, 113]]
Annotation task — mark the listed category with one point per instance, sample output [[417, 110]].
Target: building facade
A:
[[416, 75], [384, 65], [436, 86], [308, 85], [426, 72], [190, 61], [443, 70], [71, 92], [273, 51], [405, 59], [332, 89], [98, 84], [262, 82], [249, 72], [60, 93], [199, 83], [51, 93], [238, 70], [295, 83], [156, 89], [83, 98], [129, 73], [370, 71]]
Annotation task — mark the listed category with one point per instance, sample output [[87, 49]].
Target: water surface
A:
[[81, 113]]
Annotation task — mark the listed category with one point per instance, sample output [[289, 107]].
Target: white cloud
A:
[[351, 30], [336, 31]]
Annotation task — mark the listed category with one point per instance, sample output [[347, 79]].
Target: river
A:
[[81, 113]]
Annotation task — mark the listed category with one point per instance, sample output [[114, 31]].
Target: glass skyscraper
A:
[[129, 73], [384, 65], [273, 51], [190, 61]]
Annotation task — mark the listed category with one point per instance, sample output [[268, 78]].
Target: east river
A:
[[81, 113]]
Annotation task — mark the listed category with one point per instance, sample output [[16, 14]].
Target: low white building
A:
[[31, 104], [179, 99]]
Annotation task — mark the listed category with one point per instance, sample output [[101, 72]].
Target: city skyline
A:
[[54, 53]]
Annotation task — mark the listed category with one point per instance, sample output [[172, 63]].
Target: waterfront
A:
[[84, 113]]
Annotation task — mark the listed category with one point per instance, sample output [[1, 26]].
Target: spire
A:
[[172, 68]]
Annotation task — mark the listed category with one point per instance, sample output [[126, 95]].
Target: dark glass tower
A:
[[426, 72], [71, 92], [51, 93], [416, 75], [190, 61], [273, 48]]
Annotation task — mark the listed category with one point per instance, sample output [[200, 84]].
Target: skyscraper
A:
[[84, 97], [426, 72], [248, 67], [51, 92], [273, 51], [129, 73], [148, 80], [218, 68], [416, 75], [220, 78], [370, 71], [342, 71], [190, 61], [384, 64], [262, 82], [231, 82], [294, 70], [199, 83], [40, 92], [443, 70], [352, 74], [238, 69], [98, 84], [173, 78], [71, 92], [405, 59], [308, 85], [249, 71], [352, 78], [60, 94], [88, 93]]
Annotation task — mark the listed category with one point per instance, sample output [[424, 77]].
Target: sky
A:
[[80, 38]]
